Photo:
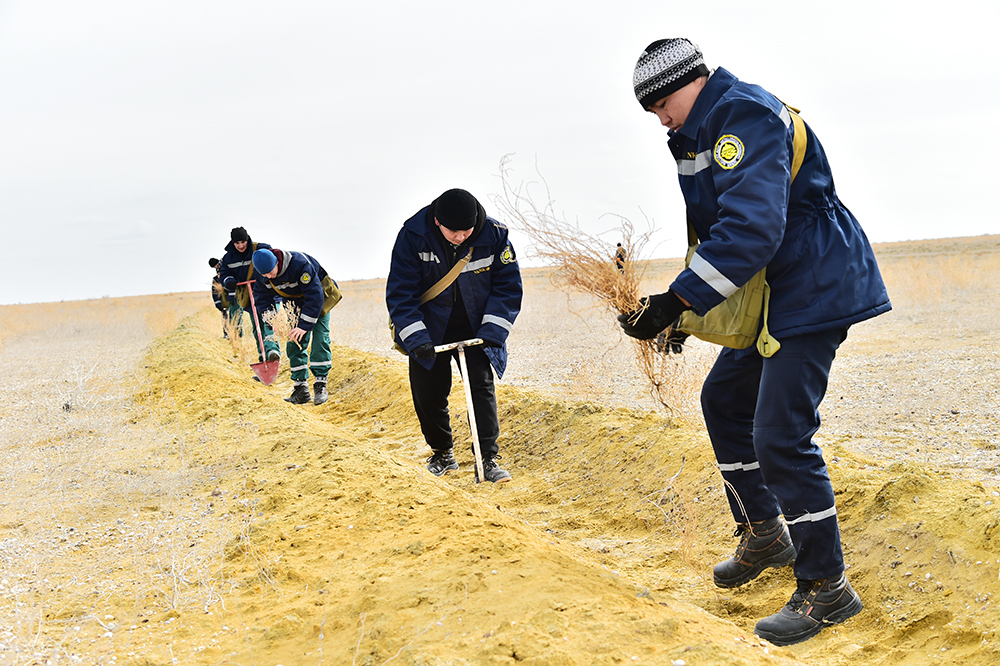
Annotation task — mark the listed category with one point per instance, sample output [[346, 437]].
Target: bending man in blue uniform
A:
[[733, 144], [298, 278], [481, 301]]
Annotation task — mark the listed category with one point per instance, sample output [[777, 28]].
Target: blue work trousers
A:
[[761, 414]]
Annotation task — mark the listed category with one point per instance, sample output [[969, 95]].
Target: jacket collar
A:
[[719, 81]]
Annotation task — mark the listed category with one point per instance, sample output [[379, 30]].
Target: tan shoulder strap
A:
[[799, 140], [250, 267], [444, 282]]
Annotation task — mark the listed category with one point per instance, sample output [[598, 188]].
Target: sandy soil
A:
[[159, 507]]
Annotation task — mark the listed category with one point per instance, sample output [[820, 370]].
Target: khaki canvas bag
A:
[[737, 321]]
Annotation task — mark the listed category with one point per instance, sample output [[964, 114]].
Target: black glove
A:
[[672, 343], [424, 351], [663, 309]]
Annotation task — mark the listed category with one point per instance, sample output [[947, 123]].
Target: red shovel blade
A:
[[266, 371]]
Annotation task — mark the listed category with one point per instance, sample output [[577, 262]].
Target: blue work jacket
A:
[[300, 278], [490, 286], [236, 267], [734, 155]]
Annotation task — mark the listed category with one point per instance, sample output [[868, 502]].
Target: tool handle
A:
[[457, 345]]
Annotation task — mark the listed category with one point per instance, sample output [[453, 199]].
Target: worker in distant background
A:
[[756, 197], [299, 278], [620, 258], [237, 267], [219, 295], [481, 300]]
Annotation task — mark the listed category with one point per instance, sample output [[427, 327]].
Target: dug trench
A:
[[347, 551]]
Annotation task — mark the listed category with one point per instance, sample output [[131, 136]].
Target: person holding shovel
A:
[[298, 278], [219, 296], [236, 267], [757, 197], [453, 244]]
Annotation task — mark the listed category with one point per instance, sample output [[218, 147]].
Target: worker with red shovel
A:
[[454, 282], [236, 274], [298, 278]]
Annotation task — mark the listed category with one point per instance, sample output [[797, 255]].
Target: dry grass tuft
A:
[[282, 320], [585, 263]]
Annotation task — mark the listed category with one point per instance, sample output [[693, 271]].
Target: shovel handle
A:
[[458, 345]]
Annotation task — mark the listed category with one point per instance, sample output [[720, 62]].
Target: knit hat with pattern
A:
[[666, 66]]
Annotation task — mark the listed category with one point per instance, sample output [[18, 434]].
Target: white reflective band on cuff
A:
[[299, 367], [702, 160], [311, 320], [813, 517], [478, 264], [738, 467], [499, 321], [712, 276], [428, 256], [411, 329], [320, 365]]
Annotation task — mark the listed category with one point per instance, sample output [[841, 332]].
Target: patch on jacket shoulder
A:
[[507, 256], [729, 151], [305, 278]]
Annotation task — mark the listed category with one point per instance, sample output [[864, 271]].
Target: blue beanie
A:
[[264, 261]]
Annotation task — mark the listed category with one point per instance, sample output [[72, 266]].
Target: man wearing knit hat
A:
[[757, 198], [236, 266], [298, 278], [453, 237]]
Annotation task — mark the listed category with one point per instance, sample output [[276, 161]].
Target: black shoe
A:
[[300, 394], [273, 354], [814, 605], [762, 545], [319, 391], [441, 463], [492, 472]]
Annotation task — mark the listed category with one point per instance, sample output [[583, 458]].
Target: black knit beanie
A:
[[457, 210], [213, 262], [666, 66], [239, 234]]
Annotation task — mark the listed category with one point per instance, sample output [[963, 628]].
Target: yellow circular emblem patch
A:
[[305, 278], [729, 151], [507, 256]]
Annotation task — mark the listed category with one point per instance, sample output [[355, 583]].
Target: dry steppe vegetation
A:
[[159, 507]]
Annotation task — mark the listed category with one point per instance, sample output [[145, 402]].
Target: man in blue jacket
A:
[[295, 277], [237, 267], [481, 302], [733, 144]]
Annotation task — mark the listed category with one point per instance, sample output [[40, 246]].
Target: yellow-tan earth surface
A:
[[160, 507]]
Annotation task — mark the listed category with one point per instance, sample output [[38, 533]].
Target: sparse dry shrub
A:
[[282, 320], [585, 263], [241, 337]]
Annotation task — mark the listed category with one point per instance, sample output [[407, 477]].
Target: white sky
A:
[[135, 135]]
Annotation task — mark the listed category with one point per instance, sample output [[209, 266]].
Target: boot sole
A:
[[838, 616], [445, 471], [782, 559]]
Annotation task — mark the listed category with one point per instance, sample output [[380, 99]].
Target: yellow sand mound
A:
[[598, 552]]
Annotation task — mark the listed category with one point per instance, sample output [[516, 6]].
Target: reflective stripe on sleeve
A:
[[499, 321], [411, 329], [429, 257], [712, 276], [311, 320]]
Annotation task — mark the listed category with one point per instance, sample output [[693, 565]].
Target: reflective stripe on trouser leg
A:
[[728, 402], [319, 351], [792, 385]]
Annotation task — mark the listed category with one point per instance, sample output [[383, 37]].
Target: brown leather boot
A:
[[762, 545]]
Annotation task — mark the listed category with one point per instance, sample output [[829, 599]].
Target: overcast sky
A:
[[136, 134]]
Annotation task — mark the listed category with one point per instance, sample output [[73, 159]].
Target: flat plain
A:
[[160, 507]]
